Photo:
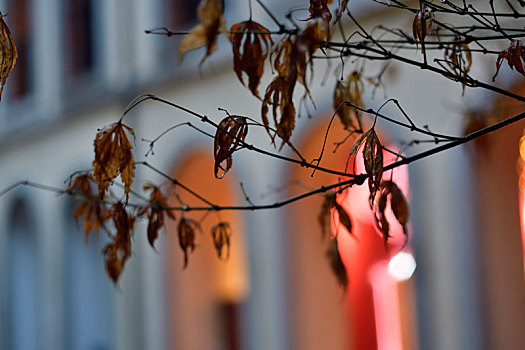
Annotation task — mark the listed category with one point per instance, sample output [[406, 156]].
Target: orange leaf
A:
[[155, 212], [205, 33], [422, 24], [8, 53], [231, 131], [319, 9], [221, 234], [250, 59], [112, 157]]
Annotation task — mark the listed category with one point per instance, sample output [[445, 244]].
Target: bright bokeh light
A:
[[402, 266]]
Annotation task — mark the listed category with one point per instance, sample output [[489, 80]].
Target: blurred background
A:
[[458, 284]]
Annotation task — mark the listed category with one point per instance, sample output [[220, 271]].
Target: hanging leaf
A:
[[515, 56], [231, 132], [117, 252], [186, 232], [398, 203], [221, 234], [155, 211], [8, 53], [307, 42], [459, 59], [422, 24], [205, 34], [326, 211], [344, 218], [95, 211], [373, 159], [319, 9], [336, 263], [350, 91], [251, 44], [113, 157]]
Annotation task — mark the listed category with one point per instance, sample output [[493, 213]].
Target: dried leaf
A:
[[373, 159], [319, 9], [8, 53], [117, 252], [357, 144], [422, 24], [344, 218], [308, 41], [205, 34], [326, 210], [255, 42], [515, 56], [336, 263], [351, 92], [94, 210], [231, 132], [186, 233], [155, 211], [113, 157], [398, 203], [221, 234]]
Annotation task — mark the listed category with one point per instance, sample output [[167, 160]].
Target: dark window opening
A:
[[80, 58], [180, 15], [19, 82]]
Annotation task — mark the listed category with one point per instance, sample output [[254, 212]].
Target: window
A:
[[18, 19], [79, 38]]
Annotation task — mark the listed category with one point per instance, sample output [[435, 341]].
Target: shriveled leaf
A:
[[113, 156], [336, 263], [94, 210], [221, 234], [459, 58], [119, 250], [351, 92], [205, 34], [156, 212], [319, 9], [357, 144], [398, 203], [186, 232], [373, 159], [325, 213], [231, 132], [251, 44], [344, 217], [515, 56], [8, 53], [422, 24], [308, 41]]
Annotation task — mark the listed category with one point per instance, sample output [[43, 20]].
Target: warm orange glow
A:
[[522, 191]]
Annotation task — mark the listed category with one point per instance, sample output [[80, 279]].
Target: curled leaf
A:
[[459, 58], [336, 263], [422, 24], [113, 157], [351, 92], [117, 252], [155, 211], [186, 233], [319, 9], [373, 159], [398, 203], [8, 53], [205, 33], [221, 234], [515, 56], [231, 132], [251, 43], [93, 209]]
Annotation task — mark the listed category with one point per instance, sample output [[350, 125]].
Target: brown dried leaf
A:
[[459, 58], [336, 263], [113, 156], [155, 211], [350, 91], [319, 9], [205, 34], [255, 42], [306, 44], [326, 210], [422, 24], [357, 144], [515, 56], [221, 234], [231, 132], [8, 53], [344, 218], [373, 159], [94, 210], [117, 252], [186, 233], [398, 203]]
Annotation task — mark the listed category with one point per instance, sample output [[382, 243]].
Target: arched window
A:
[[23, 294], [89, 319]]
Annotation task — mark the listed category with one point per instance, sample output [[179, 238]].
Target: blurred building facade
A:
[[82, 61]]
